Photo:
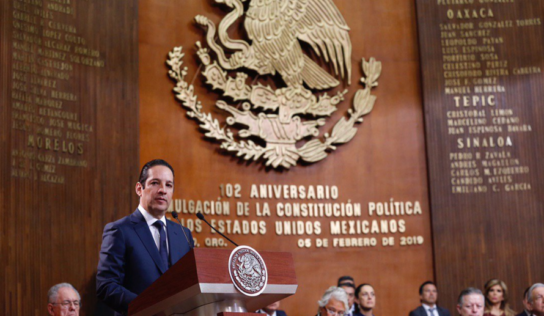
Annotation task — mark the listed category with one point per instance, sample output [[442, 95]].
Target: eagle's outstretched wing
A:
[[320, 24], [273, 42]]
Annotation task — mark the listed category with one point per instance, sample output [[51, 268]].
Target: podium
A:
[[199, 284]]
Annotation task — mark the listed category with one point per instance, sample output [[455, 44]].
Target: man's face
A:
[[537, 304], [367, 298], [67, 303], [473, 305], [270, 309], [429, 295], [351, 295], [333, 308], [156, 196]]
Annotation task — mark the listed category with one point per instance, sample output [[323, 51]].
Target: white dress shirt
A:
[[351, 310], [261, 311], [154, 230], [427, 309]]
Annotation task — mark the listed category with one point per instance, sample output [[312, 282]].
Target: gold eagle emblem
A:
[[275, 29]]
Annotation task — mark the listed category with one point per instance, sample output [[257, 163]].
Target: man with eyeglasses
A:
[[333, 303], [64, 300], [536, 299]]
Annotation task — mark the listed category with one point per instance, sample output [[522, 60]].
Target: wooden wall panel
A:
[[384, 162], [488, 229], [68, 78]]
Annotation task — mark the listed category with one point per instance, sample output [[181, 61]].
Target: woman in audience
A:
[[366, 300], [496, 299]]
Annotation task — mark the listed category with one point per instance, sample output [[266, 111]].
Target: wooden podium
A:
[[199, 284]]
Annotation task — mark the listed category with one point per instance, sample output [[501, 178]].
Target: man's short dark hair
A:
[[144, 174], [423, 285], [345, 278], [347, 285], [525, 294]]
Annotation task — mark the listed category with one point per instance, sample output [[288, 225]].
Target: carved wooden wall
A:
[[69, 142], [482, 83], [382, 165], [70, 136]]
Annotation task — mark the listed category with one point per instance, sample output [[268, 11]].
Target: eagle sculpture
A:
[[275, 28]]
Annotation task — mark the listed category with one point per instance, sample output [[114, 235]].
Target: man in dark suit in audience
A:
[[350, 291], [525, 311], [272, 310], [535, 299], [139, 248], [428, 295]]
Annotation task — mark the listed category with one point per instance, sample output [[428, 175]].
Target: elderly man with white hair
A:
[[64, 300], [535, 299], [333, 303]]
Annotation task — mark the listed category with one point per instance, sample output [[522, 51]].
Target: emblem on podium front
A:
[[248, 271], [277, 125]]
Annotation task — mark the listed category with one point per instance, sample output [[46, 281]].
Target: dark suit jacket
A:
[[420, 311], [278, 312], [130, 261]]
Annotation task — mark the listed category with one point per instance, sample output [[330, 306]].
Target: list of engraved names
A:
[[483, 126], [50, 132]]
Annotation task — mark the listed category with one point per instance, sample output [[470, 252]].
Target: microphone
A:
[[175, 215], [201, 217]]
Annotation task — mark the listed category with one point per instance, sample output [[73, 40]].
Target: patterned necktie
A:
[[162, 243], [431, 311]]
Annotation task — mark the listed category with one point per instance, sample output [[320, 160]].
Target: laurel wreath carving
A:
[[235, 87]]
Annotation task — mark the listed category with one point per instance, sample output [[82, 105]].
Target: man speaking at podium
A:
[[139, 248]]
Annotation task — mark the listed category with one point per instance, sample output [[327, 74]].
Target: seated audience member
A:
[[535, 299], [64, 300], [350, 291], [496, 299], [334, 302], [366, 300], [525, 301], [471, 302], [272, 310], [345, 279], [428, 295]]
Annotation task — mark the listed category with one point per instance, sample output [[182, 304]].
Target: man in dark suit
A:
[[139, 248], [535, 299], [525, 301], [272, 310], [428, 295], [350, 291]]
